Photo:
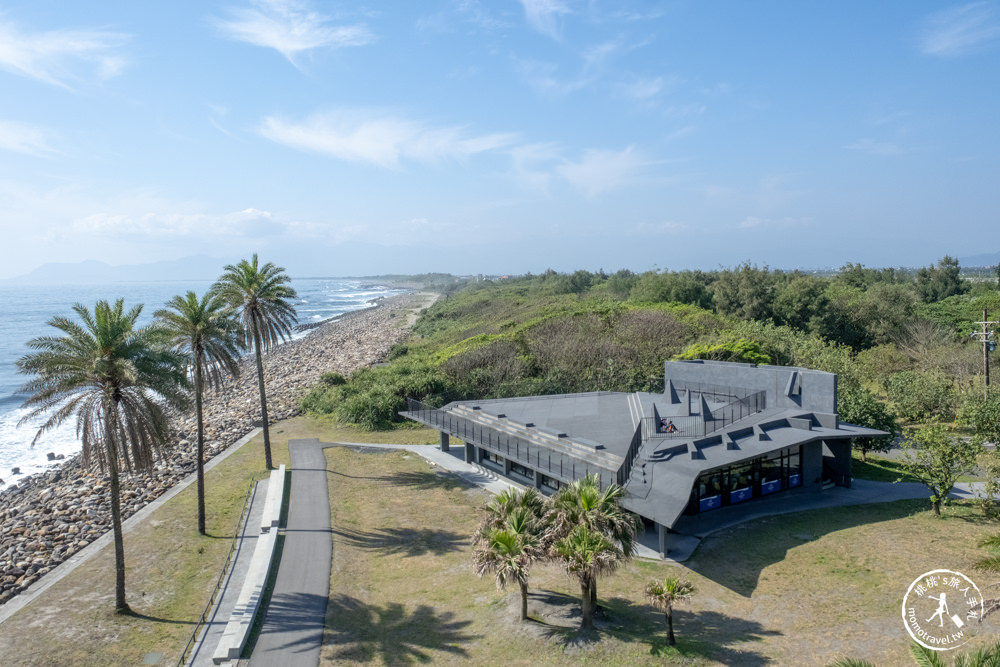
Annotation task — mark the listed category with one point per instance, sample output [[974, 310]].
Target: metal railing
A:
[[218, 584], [556, 464], [625, 471], [698, 426]]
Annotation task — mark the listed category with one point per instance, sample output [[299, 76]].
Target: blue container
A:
[[794, 480]]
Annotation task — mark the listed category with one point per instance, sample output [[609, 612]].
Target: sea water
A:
[[25, 311]]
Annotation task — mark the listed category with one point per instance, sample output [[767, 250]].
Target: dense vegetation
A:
[[898, 339]]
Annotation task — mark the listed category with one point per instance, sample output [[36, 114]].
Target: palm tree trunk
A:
[[593, 595], [524, 600], [263, 398], [671, 640], [201, 444], [587, 622], [110, 429]]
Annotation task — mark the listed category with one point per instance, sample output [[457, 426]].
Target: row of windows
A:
[[759, 477]]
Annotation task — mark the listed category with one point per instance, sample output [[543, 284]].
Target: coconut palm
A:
[[205, 333], [509, 552], [261, 295], [110, 377], [583, 502], [586, 555], [665, 594]]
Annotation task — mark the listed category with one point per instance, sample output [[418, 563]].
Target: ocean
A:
[[27, 309]]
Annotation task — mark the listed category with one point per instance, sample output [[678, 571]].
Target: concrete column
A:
[[445, 440], [812, 465], [470, 453], [506, 467], [662, 534]]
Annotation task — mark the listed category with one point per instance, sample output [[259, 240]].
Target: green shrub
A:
[[373, 410], [332, 379]]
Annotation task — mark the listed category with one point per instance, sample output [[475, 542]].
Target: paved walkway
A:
[[215, 625], [292, 632]]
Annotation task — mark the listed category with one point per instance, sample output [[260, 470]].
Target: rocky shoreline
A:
[[46, 518]]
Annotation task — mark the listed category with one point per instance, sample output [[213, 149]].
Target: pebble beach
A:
[[47, 517]]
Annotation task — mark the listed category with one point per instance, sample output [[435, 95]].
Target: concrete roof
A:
[[666, 467]]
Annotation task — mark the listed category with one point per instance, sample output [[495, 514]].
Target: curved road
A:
[[292, 633]]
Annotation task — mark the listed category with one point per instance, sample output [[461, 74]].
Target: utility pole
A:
[[985, 337]]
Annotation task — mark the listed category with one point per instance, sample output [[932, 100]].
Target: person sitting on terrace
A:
[[670, 428]]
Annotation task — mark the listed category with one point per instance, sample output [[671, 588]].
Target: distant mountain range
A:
[[987, 259], [200, 267]]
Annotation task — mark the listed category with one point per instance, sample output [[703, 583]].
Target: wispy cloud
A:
[[544, 15], [757, 222], [23, 138], [960, 30], [144, 219], [531, 164], [600, 171], [544, 78], [290, 27], [643, 88], [873, 147], [385, 140], [59, 57]]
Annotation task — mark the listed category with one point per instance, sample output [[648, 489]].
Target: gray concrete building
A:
[[721, 434]]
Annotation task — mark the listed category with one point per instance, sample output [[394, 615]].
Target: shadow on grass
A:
[[405, 541], [878, 469], [425, 480], [360, 632], [132, 613], [706, 634], [736, 556]]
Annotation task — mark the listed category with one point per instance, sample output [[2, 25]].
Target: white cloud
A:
[[601, 170], [530, 165], [385, 141], [543, 77], [788, 222], [643, 88], [133, 218], [543, 15], [290, 27], [59, 56], [960, 30], [873, 147], [23, 138]]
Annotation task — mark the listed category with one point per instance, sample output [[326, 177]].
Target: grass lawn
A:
[[171, 570], [801, 589]]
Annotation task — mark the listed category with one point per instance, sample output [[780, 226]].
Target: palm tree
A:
[[262, 296], [499, 509], [510, 551], [665, 594], [587, 554], [110, 377], [205, 333], [583, 502]]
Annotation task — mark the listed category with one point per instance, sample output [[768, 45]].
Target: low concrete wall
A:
[[234, 638]]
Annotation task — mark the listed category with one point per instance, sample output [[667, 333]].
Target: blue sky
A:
[[499, 137]]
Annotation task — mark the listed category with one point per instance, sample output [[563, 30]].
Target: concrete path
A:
[[292, 632], [215, 625]]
